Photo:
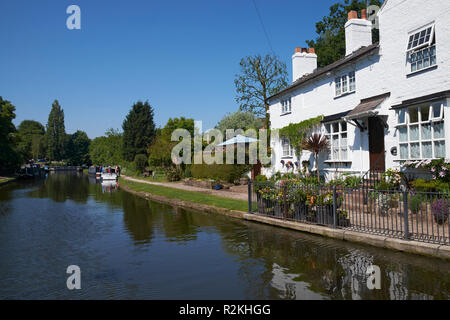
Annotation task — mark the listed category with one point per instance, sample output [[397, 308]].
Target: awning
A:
[[334, 117], [367, 107], [238, 139]]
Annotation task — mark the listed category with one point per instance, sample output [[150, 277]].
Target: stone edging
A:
[[416, 247]]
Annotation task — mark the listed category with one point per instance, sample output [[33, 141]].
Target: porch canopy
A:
[[366, 108], [238, 139]]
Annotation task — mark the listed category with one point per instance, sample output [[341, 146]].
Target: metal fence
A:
[[421, 216]]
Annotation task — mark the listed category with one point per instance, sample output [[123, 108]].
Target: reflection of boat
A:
[[109, 185]]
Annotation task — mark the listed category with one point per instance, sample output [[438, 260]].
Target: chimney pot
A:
[[311, 50], [364, 14], [298, 49], [352, 15]]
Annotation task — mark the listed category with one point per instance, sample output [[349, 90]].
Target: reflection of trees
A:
[[138, 218], [181, 225], [63, 186]]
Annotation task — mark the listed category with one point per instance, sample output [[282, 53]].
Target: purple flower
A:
[[442, 174], [444, 168], [433, 169]]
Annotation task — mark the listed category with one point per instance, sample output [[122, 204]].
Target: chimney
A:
[[304, 61], [358, 32]]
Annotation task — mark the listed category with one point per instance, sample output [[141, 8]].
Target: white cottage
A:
[[383, 103]]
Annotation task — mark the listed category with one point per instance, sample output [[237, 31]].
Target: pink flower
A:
[[442, 174], [433, 169], [444, 168]]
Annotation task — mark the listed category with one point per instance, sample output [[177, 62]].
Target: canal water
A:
[[131, 248]]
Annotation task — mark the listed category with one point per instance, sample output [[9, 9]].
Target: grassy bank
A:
[[190, 196], [5, 180]]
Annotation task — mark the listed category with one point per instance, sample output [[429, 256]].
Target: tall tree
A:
[[9, 157], [259, 78], [77, 150], [330, 43], [56, 133], [30, 135], [138, 130], [107, 150], [239, 120]]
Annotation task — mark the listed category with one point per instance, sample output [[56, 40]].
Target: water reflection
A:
[[133, 248]]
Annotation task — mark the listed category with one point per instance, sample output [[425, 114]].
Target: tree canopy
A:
[[239, 120], [77, 150], [56, 133], [107, 150], [30, 139], [259, 78], [9, 157], [138, 130], [330, 43]]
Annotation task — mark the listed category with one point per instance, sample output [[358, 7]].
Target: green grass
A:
[[6, 180], [191, 196]]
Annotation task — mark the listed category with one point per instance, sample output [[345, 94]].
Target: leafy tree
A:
[[77, 150], [239, 120], [259, 78], [29, 131], [316, 143], [178, 123], [140, 161], [9, 157], [107, 150], [56, 133], [330, 43], [138, 130]]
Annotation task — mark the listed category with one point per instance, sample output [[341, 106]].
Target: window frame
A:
[[424, 54], [290, 151], [342, 84], [421, 141], [286, 106], [330, 133]]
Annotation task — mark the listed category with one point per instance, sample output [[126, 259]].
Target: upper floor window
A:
[[286, 106], [421, 50], [421, 132], [345, 84], [336, 133], [287, 148]]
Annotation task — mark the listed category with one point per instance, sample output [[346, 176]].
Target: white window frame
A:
[[331, 134], [289, 153], [421, 56], [286, 106], [342, 84], [432, 121]]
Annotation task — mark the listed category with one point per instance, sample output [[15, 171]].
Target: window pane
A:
[[413, 67], [439, 132], [335, 141], [335, 154], [343, 126], [401, 116], [439, 149], [426, 131], [414, 115], [344, 84], [414, 133], [425, 113], [403, 134], [343, 140], [344, 154], [328, 128], [404, 151], [336, 127], [427, 150], [437, 110], [415, 150]]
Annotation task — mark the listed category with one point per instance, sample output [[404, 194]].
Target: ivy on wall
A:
[[297, 132]]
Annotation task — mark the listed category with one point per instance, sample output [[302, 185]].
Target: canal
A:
[[131, 248]]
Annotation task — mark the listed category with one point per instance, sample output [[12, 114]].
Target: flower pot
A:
[[325, 215]]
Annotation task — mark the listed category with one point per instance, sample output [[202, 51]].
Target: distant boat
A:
[[108, 176]]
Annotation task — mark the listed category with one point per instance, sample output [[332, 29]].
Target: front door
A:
[[376, 144]]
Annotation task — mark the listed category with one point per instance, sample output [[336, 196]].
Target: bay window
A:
[[336, 133], [421, 132]]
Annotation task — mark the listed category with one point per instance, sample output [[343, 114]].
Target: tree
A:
[[56, 133], [30, 135], [9, 157], [178, 123], [259, 79], [239, 120], [77, 150], [330, 43], [107, 150], [316, 143], [138, 130]]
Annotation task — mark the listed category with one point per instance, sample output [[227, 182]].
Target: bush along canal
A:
[[128, 247]]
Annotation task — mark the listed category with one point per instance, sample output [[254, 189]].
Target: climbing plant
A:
[[297, 132]]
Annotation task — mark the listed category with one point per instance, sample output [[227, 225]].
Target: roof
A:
[[362, 52], [238, 139], [335, 117], [424, 99], [367, 105]]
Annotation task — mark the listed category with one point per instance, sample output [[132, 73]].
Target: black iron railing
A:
[[405, 214]]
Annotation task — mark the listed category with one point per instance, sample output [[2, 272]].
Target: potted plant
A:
[[440, 210], [342, 219]]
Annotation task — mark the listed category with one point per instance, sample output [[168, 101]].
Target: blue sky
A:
[[182, 56]]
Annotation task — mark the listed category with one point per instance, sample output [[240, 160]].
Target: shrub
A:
[[140, 162], [352, 182], [414, 203], [440, 210], [173, 174], [261, 178], [430, 186], [220, 172]]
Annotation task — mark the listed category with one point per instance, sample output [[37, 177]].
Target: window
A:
[[345, 84], [286, 106], [287, 149], [421, 52], [336, 134], [421, 132]]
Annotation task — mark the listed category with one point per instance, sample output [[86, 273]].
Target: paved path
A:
[[182, 186]]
